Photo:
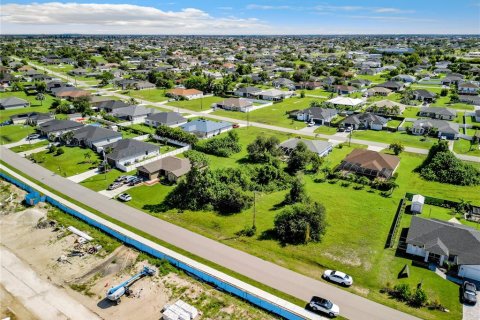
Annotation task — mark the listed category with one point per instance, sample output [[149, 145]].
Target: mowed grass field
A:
[[154, 95], [201, 104], [35, 105], [276, 114], [14, 133], [358, 225]]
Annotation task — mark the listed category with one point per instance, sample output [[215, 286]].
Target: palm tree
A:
[[40, 97], [67, 137], [87, 156]]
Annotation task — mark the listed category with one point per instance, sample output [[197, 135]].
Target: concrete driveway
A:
[[471, 312]]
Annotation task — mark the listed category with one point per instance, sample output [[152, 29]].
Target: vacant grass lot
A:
[[30, 146], [465, 147], [35, 105], [326, 130], [154, 95], [72, 162], [445, 102], [276, 114], [355, 238], [389, 137], [201, 104], [14, 133]]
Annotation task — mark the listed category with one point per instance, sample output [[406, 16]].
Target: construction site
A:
[[70, 270]]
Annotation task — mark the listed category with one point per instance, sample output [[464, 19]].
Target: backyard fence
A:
[[396, 222], [268, 305]]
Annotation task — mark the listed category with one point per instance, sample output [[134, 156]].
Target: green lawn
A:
[[102, 181], [318, 92], [445, 102], [28, 146], [326, 130], [432, 88], [377, 78], [393, 123], [14, 133], [201, 104], [35, 105], [410, 112], [70, 163], [393, 97], [154, 95], [276, 114], [464, 147], [389, 137], [142, 127], [355, 238]]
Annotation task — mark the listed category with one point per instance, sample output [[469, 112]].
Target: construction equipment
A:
[[115, 293]]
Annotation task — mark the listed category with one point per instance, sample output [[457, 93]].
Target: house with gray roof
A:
[[424, 95], [447, 129], [95, 137], [108, 105], [132, 113], [125, 152], [13, 103], [318, 115], [248, 92], [165, 119], [438, 113], [31, 118], [55, 128], [322, 148], [442, 242], [205, 128], [235, 104], [365, 120]]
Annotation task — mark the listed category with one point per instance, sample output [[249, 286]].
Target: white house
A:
[[441, 242]]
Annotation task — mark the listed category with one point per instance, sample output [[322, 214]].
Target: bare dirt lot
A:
[[86, 278]]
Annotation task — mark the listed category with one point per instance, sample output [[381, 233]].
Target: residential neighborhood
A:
[[246, 176]]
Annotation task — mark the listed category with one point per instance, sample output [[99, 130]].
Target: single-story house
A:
[[477, 115], [78, 72], [274, 95], [54, 128], [317, 115], [108, 105], [442, 242], [438, 113], [170, 167], [475, 100], [13, 103], [346, 101], [132, 113], [188, 94], [424, 95], [309, 85], [70, 93], [468, 88], [95, 137], [378, 91], [447, 129], [235, 104], [164, 119], [392, 85], [142, 85], [31, 118], [248, 92], [451, 79], [386, 107], [205, 128], [405, 78], [322, 148], [370, 163], [359, 83], [365, 120], [283, 83], [125, 152], [342, 89]]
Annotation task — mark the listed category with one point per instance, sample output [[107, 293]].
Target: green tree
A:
[[397, 147], [297, 193], [299, 158], [301, 223], [40, 97], [263, 149]]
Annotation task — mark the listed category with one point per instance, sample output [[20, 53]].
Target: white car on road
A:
[[338, 277], [323, 305]]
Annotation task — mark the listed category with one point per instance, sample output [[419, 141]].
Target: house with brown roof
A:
[[188, 94], [170, 167], [370, 163]]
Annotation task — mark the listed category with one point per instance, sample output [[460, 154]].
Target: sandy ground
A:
[[76, 289]]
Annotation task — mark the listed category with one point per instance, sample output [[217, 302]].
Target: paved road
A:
[[165, 105], [270, 274]]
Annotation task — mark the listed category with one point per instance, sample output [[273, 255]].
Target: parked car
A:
[[135, 181], [32, 136], [325, 306], [341, 129], [125, 197], [236, 125], [129, 179], [348, 129], [114, 186], [121, 179], [338, 277], [469, 293], [311, 124]]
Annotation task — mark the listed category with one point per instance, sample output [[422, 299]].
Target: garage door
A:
[[471, 272]]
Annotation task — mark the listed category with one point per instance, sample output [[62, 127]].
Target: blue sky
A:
[[241, 17]]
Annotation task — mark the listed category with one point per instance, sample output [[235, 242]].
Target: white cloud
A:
[[56, 17], [392, 10]]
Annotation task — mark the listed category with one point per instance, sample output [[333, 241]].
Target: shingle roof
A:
[[439, 110], [94, 133], [316, 146], [424, 93], [175, 165], [235, 102], [367, 117], [320, 113], [204, 126], [12, 101], [132, 111], [58, 125], [442, 125], [449, 238], [126, 148], [167, 118], [372, 160]]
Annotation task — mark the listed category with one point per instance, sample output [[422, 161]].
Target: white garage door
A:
[[471, 272]]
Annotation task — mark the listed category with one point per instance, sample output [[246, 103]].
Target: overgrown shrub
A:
[[222, 146]]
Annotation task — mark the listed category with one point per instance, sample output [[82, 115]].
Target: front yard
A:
[[407, 139], [72, 162], [154, 95], [202, 104], [463, 146], [15, 132]]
